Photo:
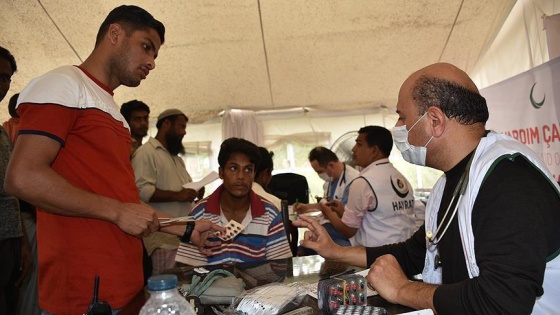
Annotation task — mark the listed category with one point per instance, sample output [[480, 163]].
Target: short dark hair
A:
[[454, 100], [4, 53], [322, 155], [131, 18], [379, 136], [133, 106], [12, 106], [266, 162], [238, 145]]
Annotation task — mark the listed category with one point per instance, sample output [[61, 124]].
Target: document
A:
[[203, 182]]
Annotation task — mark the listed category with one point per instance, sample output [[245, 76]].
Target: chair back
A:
[[290, 187]]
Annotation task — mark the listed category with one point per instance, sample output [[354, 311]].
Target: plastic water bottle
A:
[[164, 297]]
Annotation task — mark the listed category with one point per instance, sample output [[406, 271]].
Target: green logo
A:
[[536, 104]]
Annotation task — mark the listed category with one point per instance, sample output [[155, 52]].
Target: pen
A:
[[295, 210]]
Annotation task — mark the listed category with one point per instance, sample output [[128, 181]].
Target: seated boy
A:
[[263, 236]]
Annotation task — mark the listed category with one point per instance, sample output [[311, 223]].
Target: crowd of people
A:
[[84, 197]]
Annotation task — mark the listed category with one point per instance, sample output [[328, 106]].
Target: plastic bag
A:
[[270, 299], [218, 287]]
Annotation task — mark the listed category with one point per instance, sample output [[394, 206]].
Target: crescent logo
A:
[[536, 104], [399, 187]]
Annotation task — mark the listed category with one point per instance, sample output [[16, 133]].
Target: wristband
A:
[[188, 232]]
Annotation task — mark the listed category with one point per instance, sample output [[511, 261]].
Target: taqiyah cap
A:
[[170, 112]]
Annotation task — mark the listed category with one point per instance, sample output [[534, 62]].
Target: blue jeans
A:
[[335, 236]]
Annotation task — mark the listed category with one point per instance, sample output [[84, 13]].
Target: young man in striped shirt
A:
[[263, 236]]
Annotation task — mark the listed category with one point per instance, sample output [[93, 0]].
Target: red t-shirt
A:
[[71, 107]]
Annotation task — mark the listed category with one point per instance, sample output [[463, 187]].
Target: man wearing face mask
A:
[[491, 243], [380, 206], [337, 177]]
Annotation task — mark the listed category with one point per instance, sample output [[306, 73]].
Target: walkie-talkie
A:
[[98, 307]]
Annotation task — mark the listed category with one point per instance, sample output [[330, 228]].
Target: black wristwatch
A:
[[188, 232]]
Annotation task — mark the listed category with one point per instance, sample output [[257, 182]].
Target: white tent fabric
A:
[[241, 124], [257, 54], [520, 45], [311, 70], [552, 27]]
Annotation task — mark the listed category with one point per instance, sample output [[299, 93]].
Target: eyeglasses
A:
[[5, 78]]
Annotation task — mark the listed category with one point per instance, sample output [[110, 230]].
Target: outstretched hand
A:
[[317, 237], [301, 208], [203, 231]]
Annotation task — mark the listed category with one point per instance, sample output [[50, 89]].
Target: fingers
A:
[[204, 225], [154, 224], [206, 245], [310, 223], [309, 236]]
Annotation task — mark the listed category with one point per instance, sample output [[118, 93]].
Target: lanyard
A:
[[459, 191], [341, 179]]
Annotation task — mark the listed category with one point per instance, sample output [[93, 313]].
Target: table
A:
[[304, 269]]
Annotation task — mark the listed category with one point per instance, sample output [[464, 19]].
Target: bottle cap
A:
[[162, 282]]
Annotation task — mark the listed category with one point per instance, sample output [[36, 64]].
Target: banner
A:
[[527, 108]]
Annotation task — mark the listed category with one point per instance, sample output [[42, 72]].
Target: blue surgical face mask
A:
[[412, 154]]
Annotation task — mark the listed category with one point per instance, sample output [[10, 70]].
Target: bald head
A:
[[448, 72], [449, 88]]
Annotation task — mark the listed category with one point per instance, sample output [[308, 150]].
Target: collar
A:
[[213, 203], [375, 163], [156, 144], [341, 179], [94, 79]]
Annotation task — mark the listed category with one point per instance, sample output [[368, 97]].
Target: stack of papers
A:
[[203, 182]]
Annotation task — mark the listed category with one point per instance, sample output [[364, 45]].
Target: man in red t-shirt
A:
[[72, 161]]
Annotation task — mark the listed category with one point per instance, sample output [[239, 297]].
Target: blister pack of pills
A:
[[361, 310], [232, 229], [344, 290]]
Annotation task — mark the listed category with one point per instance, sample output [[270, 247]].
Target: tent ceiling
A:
[[263, 54]]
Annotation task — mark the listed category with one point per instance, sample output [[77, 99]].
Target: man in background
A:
[[263, 174], [137, 114], [14, 246], [29, 295], [12, 125], [380, 207], [160, 175], [77, 171], [337, 177]]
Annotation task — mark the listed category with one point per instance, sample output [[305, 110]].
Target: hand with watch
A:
[[198, 233]]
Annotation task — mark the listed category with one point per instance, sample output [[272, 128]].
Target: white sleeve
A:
[[145, 174], [360, 199]]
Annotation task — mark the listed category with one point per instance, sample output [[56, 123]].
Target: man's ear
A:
[[167, 124], [221, 172], [114, 32], [377, 153], [438, 121]]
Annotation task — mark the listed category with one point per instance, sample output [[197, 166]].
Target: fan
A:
[[342, 147]]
